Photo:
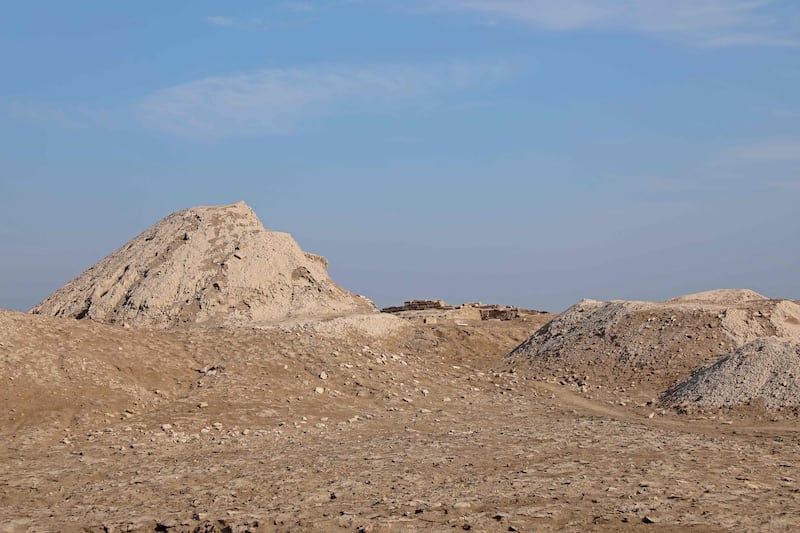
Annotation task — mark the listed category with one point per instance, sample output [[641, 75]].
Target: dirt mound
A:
[[720, 297], [619, 343], [766, 369], [205, 265]]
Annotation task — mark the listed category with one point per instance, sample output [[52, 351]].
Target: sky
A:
[[527, 153]]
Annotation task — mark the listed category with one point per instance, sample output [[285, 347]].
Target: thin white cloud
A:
[[238, 23], [278, 15], [775, 150], [221, 21], [707, 22], [276, 100]]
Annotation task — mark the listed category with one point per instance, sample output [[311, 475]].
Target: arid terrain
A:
[[187, 420], [113, 429]]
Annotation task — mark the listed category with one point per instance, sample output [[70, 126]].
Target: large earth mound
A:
[[205, 265], [620, 343], [766, 369]]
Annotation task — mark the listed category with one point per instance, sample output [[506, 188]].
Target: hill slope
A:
[[205, 265]]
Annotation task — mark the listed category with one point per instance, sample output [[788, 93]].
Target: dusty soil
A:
[[112, 429]]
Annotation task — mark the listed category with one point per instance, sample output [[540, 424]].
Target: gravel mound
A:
[[720, 297], [766, 369], [619, 343], [215, 266]]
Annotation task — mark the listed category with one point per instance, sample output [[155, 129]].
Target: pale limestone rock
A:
[[214, 266]]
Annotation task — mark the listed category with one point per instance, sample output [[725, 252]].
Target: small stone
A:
[[649, 520], [202, 405], [166, 427], [319, 390], [323, 375]]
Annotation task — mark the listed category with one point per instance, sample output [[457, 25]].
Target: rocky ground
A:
[[306, 428]]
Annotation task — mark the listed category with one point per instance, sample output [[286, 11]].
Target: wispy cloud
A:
[[707, 22], [277, 15], [771, 151], [220, 21], [239, 23], [276, 100]]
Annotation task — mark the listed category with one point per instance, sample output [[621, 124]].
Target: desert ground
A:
[[112, 429], [227, 410]]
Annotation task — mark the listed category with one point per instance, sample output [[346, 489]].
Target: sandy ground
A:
[[111, 429]]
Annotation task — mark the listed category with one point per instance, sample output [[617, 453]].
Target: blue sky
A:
[[518, 152]]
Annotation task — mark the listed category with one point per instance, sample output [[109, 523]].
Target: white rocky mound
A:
[[205, 265], [767, 369], [620, 342]]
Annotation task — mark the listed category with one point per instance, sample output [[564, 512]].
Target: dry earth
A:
[[326, 427]]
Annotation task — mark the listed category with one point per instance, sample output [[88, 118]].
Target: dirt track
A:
[[420, 431]]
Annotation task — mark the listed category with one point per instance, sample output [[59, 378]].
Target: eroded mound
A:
[[721, 297], [205, 265], [766, 369], [619, 343]]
